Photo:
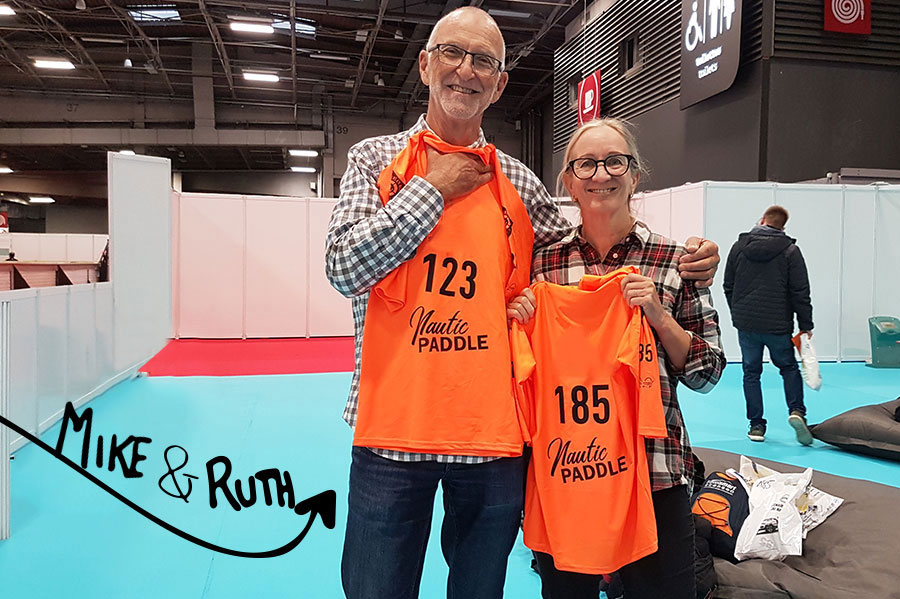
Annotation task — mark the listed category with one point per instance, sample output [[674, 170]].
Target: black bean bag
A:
[[871, 430], [852, 555]]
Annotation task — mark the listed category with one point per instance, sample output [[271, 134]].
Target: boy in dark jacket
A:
[[766, 284]]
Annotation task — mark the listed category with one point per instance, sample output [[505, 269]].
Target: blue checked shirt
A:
[[366, 240]]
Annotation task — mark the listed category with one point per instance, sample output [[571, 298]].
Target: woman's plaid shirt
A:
[[670, 459], [366, 240]]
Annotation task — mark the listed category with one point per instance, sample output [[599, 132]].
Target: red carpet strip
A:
[[241, 357]]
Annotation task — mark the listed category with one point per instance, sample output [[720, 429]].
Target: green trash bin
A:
[[885, 335]]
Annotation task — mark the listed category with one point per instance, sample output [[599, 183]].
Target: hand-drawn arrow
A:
[[322, 504]]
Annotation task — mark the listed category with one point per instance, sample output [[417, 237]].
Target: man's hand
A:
[[701, 262], [456, 174], [522, 307]]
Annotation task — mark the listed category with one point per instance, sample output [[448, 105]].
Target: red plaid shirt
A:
[[564, 263]]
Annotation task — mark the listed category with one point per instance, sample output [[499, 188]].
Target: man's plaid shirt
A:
[[670, 459], [366, 240]]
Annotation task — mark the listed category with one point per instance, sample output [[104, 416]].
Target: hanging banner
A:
[[849, 16], [710, 48], [589, 98]]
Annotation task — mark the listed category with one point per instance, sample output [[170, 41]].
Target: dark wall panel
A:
[[826, 116]]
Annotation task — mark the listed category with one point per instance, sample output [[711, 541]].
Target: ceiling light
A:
[[127, 152], [252, 27], [41, 200], [513, 14], [268, 77], [361, 35], [303, 169], [103, 40], [349, 82], [301, 27], [128, 63], [329, 56], [158, 14], [379, 80], [6, 10], [80, 5], [304, 153], [53, 63], [5, 170], [398, 35]]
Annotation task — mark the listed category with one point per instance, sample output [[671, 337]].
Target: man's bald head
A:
[[466, 14]]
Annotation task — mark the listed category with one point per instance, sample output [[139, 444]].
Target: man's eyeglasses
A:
[[615, 164], [454, 56]]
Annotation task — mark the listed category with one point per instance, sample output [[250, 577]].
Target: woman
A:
[[602, 167]]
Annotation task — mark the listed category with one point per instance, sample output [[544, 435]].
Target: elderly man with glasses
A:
[[428, 239]]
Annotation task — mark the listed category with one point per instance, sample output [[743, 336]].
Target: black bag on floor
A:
[[724, 502]]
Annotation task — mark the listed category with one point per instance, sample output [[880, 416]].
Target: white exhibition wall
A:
[[71, 343], [57, 247], [848, 236], [253, 267], [140, 263]]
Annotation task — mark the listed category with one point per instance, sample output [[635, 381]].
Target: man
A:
[[765, 285], [393, 481]]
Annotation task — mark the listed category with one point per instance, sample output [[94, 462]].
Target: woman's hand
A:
[[522, 307], [639, 290]]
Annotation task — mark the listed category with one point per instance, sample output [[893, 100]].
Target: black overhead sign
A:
[[710, 47]]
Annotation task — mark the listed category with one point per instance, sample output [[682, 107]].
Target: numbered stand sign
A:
[[589, 98]]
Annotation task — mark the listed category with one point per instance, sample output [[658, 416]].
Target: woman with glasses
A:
[[601, 169]]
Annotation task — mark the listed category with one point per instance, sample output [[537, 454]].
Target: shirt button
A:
[[616, 255]]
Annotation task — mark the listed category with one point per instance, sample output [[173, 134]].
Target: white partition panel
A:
[[276, 268], [23, 361], [53, 247], [100, 242], [4, 411], [655, 209], [687, 212], [81, 358], [857, 275], [52, 354], [211, 266], [80, 248], [330, 314], [27, 246], [887, 252], [140, 255]]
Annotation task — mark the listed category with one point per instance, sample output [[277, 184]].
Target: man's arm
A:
[[366, 240], [798, 286]]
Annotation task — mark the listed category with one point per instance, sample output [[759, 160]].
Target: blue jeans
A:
[[781, 350], [389, 520]]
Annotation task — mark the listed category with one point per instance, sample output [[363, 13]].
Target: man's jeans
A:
[[781, 350], [389, 519]]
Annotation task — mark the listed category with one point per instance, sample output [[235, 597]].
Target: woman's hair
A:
[[622, 127]]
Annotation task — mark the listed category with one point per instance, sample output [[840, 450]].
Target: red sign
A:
[[589, 98], [4, 223], [849, 16]]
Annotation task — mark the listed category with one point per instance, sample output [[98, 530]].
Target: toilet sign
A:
[[589, 98], [710, 48]]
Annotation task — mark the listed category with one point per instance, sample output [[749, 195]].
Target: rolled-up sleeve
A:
[[366, 240], [705, 360]]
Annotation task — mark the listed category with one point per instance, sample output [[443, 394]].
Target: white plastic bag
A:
[[774, 528], [814, 507], [809, 363]]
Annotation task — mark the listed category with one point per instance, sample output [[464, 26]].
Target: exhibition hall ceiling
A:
[[189, 66]]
